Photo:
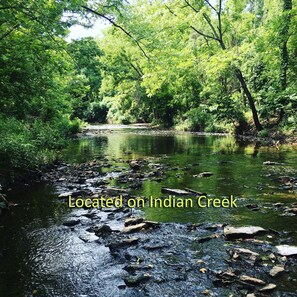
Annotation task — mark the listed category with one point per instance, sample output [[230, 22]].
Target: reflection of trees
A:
[[256, 149], [119, 145], [225, 145], [83, 149]]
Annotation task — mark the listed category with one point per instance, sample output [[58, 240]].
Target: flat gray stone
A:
[[242, 232], [286, 250]]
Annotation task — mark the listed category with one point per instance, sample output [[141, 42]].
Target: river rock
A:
[[65, 195], [245, 254], [175, 191], [133, 221], [251, 280], [134, 267], [276, 270], [204, 174], [103, 231], [115, 245], [134, 165], [242, 232], [224, 278], [268, 287], [286, 250], [204, 239], [152, 224], [253, 207], [135, 280], [116, 191], [71, 222], [292, 210], [88, 237], [135, 228], [269, 163]]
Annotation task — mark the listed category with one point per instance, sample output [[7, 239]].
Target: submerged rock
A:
[[224, 278], [276, 270], [253, 207], [286, 250], [268, 287], [204, 239], [135, 267], [122, 243], [269, 163], [135, 165], [116, 191], [135, 280], [71, 222], [251, 280], [242, 232], [103, 231], [175, 191], [203, 174]]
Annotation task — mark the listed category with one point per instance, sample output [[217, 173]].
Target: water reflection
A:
[[37, 255]]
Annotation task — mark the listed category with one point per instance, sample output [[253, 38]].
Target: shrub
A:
[[28, 145]]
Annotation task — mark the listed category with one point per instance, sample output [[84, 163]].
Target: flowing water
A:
[[40, 257]]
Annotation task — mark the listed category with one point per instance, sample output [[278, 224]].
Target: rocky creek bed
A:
[[171, 259]]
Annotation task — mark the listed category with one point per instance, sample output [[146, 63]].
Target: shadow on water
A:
[[39, 257]]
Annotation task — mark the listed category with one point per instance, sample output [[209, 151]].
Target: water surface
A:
[[39, 257]]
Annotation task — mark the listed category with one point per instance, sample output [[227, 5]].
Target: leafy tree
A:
[[86, 81]]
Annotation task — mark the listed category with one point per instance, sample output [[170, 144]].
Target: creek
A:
[[41, 257]]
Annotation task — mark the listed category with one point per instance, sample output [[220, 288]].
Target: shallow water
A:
[[39, 257]]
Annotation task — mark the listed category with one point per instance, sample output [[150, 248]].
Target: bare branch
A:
[[191, 6], [206, 17], [211, 6], [136, 69], [204, 35], [170, 10], [117, 26]]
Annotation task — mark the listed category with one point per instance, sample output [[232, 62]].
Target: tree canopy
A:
[[203, 65]]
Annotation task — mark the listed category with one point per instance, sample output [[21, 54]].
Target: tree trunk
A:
[[287, 7], [218, 37], [250, 99]]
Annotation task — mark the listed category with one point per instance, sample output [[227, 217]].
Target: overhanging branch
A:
[[10, 31], [117, 26], [203, 34]]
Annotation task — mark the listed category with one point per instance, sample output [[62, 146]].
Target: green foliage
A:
[[189, 74], [263, 133], [86, 80], [96, 112], [200, 66]]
